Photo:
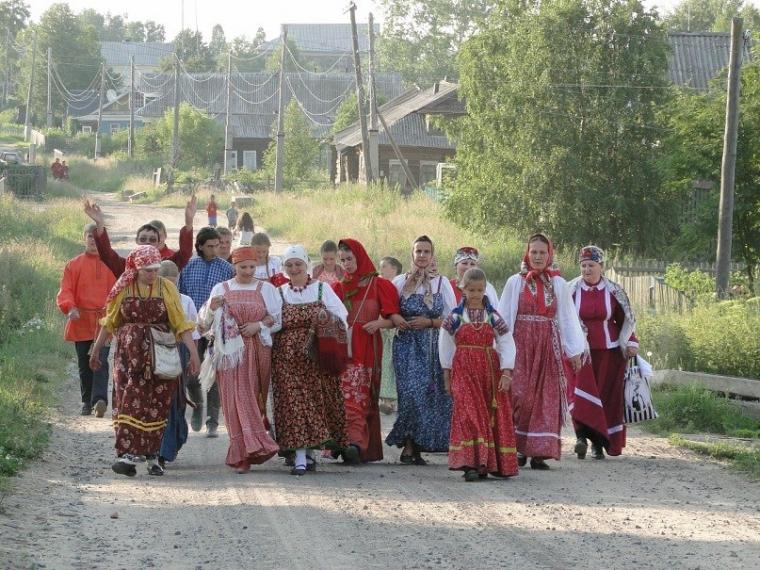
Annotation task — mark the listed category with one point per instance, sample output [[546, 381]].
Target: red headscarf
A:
[[541, 277], [244, 253], [139, 258], [365, 269]]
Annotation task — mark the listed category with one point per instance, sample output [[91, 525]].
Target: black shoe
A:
[[124, 466], [417, 458], [522, 460], [212, 431], [471, 475], [351, 454], [299, 471], [162, 462], [407, 459], [597, 452], [581, 447], [538, 464], [311, 464], [86, 410], [155, 469], [196, 421]]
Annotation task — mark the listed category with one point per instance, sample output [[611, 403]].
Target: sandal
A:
[[124, 466], [407, 459], [538, 464], [417, 459]]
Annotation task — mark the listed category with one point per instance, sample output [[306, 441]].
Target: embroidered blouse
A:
[[504, 344]]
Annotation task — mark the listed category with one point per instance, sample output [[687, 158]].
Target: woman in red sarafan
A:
[[537, 307], [597, 394], [371, 302], [477, 355]]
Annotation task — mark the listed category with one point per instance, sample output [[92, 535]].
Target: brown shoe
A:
[[100, 408]]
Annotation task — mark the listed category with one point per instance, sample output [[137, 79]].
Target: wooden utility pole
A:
[[100, 108], [28, 114], [374, 145], [175, 130], [49, 114], [279, 161], [360, 96], [728, 165], [227, 141], [131, 140]]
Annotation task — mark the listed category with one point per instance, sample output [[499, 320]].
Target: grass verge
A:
[[744, 459]]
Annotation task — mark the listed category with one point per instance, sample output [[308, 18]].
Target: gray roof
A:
[[405, 121], [254, 99], [326, 38], [147, 54], [696, 58]]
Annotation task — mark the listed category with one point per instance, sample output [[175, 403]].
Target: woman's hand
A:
[[399, 322], [216, 302], [195, 364], [373, 326], [418, 323], [250, 329], [447, 381], [575, 362], [631, 351], [94, 361], [268, 321], [505, 382]]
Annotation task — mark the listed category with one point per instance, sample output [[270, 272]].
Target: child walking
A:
[[477, 356], [246, 229], [328, 271], [211, 210], [390, 268]]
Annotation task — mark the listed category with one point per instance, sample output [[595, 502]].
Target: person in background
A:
[[196, 281], [232, 217], [464, 259], [225, 243], [246, 228], [268, 267], [390, 268], [477, 355], [211, 210], [85, 285], [175, 434], [166, 251], [64, 170], [328, 271], [146, 235], [56, 169]]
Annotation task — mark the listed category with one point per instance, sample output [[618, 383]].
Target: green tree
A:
[[273, 61], [421, 38], [201, 139], [693, 150], [301, 148], [711, 15], [14, 17], [561, 133], [192, 51], [218, 44], [154, 32], [246, 55], [135, 32], [76, 55]]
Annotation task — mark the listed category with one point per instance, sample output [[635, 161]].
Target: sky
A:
[[241, 17]]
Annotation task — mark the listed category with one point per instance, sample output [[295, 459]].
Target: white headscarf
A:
[[296, 252]]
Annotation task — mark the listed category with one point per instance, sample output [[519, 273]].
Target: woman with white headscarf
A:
[[308, 402]]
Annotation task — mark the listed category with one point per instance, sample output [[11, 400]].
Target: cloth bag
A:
[[638, 395], [328, 342], [167, 364]]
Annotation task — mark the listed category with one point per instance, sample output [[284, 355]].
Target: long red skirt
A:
[[482, 434]]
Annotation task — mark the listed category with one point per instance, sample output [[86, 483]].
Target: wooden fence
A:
[[647, 267], [650, 293]]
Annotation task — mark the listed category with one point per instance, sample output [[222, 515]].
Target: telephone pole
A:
[[175, 131], [728, 165], [227, 116], [279, 162], [100, 108], [49, 92], [131, 139], [28, 115], [360, 96], [7, 67], [374, 147]]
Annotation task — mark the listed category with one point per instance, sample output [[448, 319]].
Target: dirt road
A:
[[654, 507]]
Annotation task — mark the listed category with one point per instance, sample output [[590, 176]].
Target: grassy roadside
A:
[[743, 459], [35, 243]]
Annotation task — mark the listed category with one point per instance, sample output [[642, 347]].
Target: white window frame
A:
[[86, 130], [246, 156], [395, 163], [433, 163], [232, 163]]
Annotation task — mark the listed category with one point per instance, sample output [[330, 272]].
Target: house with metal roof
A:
[[696, 58], [148, 56]]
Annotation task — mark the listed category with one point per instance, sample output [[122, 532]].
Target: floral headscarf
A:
[[142, 257], [591, 253], [537, 280], [420, 276]]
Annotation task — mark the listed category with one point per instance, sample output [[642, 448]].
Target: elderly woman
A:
[[245, 313], [537, 307], [371, 302], [597, 396], [308, 402], [141, 300], [466, 258], [424, 407]]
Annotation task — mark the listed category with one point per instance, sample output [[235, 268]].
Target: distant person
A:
[[64, 170], [57, 169], [246, 228], [146, 235], [232, 217], [211, 210], [225, 243], [82, 296], [390, 268], [328, 271], [196, 281]]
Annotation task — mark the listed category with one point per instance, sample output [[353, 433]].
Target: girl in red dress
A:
[[477, 355]]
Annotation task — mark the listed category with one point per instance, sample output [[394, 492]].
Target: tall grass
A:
[[386, 223], [107, 174], [35, 243]]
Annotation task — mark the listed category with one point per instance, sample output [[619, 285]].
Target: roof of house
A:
[[697, 57], [147, 54], [324, 38], [405, 117], [89, 101]]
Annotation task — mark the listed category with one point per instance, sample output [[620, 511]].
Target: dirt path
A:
[[655, 507]]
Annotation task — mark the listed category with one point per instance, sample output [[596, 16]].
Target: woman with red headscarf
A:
[[141, 300], [536, 305], [244, 312], [371, 301]]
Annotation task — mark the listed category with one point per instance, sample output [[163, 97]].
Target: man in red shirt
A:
[[82, 297]]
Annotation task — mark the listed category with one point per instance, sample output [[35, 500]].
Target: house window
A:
[[86, 129], [396, 174], [428, 172], [250, 160], [232, 160]]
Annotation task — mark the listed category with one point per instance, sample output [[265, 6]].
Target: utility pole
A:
[[7, 67], [131, 140], [49, 92], [227, 116], [175, 132], [360, 96], [728, 165], [100, 108], [28, 115], [374, 146], [279, 161]]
